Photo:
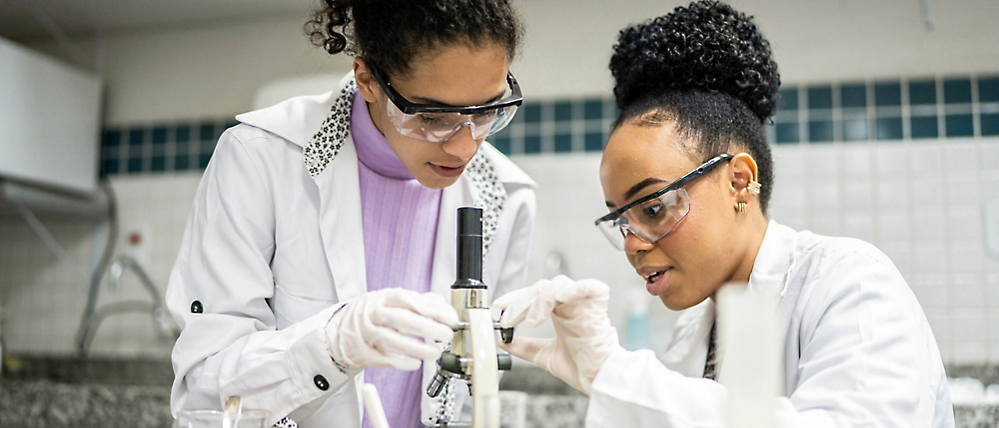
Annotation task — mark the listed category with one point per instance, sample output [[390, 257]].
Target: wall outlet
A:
[[136, 244]]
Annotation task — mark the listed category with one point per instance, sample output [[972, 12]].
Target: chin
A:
[[679, 303], [434, 182]]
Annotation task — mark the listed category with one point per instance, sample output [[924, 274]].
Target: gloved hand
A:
[[388, 328], [584, 337]]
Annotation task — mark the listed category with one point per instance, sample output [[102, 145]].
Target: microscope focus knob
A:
[[504, 361], [506, 334]]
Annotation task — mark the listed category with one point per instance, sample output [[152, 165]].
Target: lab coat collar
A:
[[320, 124], [296, 119], [774, 260], [688, 350]]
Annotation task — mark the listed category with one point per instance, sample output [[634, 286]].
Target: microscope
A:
[[472, 356]]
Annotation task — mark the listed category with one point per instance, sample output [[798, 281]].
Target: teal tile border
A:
[[816, 113]]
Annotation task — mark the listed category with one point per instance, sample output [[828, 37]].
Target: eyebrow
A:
[[638, 188], [431, 101]]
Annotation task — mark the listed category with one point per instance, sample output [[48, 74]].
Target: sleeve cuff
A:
[[312, 369]]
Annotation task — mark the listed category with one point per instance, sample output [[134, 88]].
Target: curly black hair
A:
[[706, 68], [390, 34]]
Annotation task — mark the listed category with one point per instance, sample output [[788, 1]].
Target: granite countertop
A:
[[52, 392]]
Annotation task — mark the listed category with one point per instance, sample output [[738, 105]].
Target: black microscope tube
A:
[[469, 251]]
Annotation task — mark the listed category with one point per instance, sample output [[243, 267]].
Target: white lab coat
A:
[[274, 246], [858, 351]]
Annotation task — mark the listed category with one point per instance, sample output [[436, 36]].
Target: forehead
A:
[[456, 75], [635, 153]]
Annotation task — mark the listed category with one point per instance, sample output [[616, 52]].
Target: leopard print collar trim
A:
[[326, 143]]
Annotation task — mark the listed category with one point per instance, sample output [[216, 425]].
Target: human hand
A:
[[584, 337], [388, 328]]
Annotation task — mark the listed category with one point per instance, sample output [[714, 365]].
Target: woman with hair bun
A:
[[320, 248], [687, 176]]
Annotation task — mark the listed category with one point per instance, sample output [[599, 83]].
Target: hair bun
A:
[[708, 46]]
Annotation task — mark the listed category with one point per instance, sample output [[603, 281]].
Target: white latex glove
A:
[[584, 337], [388, 328]]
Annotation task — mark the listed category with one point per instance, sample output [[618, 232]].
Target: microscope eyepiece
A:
[[469, 257]]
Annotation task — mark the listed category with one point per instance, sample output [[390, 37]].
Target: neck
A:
[[755, 227]]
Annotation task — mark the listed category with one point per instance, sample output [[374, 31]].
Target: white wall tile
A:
[[959, 157], [926, 160], [789, 195], [966, 293], [893, 224], [824, 196], [891, 160], [860, 226], [966, 258], [928, 222], [858, 196], [893, 192], [966, 224], [968, 326], [992, 292], [967, 353], [900, 253], [826, 223], [929, 257], [932, 297], [993, 331], [940, 324], [823, 162], [857, 161], [962, 190], [790, 164]]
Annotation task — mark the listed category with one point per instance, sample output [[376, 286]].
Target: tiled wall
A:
[[43, 300], [883, 110], [851, 159], [955, 107]]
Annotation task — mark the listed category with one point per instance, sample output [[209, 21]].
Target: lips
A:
[[656, 279], [447, 171]]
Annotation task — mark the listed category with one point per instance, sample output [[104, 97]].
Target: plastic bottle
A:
[[637, 328]]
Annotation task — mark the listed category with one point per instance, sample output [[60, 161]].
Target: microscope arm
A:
[[485, 371]]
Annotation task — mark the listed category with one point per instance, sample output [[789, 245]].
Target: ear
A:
[[744, 171], [365, 81]]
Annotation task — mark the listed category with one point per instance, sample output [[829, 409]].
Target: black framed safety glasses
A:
[[438, 123], [653, 216]]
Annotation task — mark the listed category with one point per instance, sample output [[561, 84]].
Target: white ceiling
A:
[[26, 19]]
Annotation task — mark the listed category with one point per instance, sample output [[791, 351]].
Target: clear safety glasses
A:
[[438, 123], [652, 216]]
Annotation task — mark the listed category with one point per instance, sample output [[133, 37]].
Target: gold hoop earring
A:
[[740, 207], [754, 187]]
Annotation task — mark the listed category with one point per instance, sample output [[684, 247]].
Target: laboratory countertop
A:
[[65, 392]]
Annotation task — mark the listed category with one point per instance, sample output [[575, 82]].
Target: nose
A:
[[635, 245], [461, 145]]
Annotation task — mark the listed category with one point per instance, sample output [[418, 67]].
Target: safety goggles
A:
[[438, 123], [652, 216]]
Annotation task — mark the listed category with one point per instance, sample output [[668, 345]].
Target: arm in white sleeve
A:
[[864, 362], [229, 344]]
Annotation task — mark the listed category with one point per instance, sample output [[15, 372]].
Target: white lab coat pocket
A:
[[291, 308]]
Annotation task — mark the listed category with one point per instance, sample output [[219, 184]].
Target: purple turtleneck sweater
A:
[[399, 218]]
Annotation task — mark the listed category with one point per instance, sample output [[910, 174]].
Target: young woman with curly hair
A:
[[320, 247], [687, 175]]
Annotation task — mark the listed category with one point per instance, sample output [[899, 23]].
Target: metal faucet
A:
[[165, 325], [472, 356]]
